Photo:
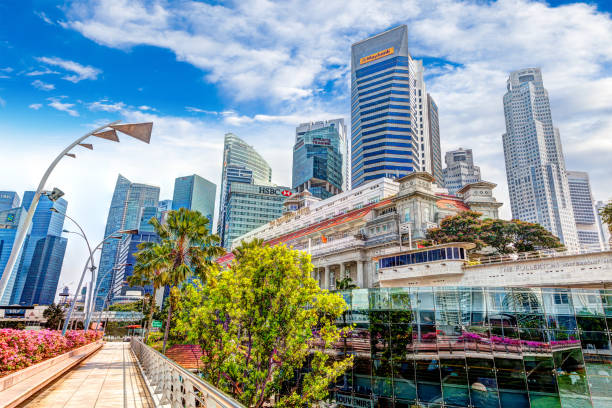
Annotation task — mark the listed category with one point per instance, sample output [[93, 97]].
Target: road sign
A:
[[156, 323]]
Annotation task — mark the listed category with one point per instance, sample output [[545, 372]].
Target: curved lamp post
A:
[[73, 303], [140, 131], [116, 268]]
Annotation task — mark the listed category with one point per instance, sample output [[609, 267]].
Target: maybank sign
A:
[[378, 55]]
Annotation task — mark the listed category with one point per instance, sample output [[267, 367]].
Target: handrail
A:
[[526, 256], [175, 386]]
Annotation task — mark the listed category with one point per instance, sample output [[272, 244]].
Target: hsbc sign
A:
[[275, 191]]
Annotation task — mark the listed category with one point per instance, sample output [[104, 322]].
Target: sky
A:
[[258, 68]]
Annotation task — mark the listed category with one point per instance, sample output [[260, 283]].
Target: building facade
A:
[[385, 127], [195, 193], [476, 346], [460, 170], [535, 166], [345, 232], [43, 251], [10, 221], [434, 141], [583, 205], [126, 212], [241, 163], [249, 206], [320, 158], [9, 200]]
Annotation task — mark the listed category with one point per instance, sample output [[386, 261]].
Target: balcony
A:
[[337, 245]]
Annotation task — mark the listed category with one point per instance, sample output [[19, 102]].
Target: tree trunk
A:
[[168, 320], [152, 307]]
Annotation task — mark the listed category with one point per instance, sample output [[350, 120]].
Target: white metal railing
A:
[[173, 386], [526, 256]]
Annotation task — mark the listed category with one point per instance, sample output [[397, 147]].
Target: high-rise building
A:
[[10, 221], [126, 213], [604, 229], [241, 163], [434, 142], [389, 110], [164, 205], [460, 170], [320, 158], [535, 166], [583, 205], [249, 206], [195, 193], [8, 200], [44, 272], [42, 252]]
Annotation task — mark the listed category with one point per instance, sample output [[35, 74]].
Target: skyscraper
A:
[[589, 236], [126, 211], [460, 170], [435, 150], [389, 109], [8, 200], [241, 163], [320, 158], [10, 221], [535, 167], [44, 240], [195, 193]]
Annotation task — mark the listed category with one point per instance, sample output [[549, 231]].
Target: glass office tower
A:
[[126, 210], [477, 347], [195, 193], [8, 200], [10, 221], [241, 163], [43, 240], [385, 127], [320, 158]]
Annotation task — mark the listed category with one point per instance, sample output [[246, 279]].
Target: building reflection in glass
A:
[[477, 347]]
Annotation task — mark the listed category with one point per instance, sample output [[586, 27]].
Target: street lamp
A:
[[115, 268], [111, 236], [140, 131]]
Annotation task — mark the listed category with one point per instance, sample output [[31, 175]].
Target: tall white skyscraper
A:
[[460, 170], [583, 204], [535, 167]]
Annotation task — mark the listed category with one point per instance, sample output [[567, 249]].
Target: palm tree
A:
[[186, 249], [145, 274], [346, 284]]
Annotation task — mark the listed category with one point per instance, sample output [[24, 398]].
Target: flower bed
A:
[[22, 348]]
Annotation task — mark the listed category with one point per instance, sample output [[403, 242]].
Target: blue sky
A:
[[258, 68]]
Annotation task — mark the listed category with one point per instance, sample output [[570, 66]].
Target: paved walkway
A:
[[98, 382]]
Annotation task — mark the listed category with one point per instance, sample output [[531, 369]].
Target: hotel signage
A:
[[375, 56]]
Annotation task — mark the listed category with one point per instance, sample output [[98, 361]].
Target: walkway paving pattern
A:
[[98, 382]]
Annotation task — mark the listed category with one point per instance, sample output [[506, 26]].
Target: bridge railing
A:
[[174, 386], [525, 256]]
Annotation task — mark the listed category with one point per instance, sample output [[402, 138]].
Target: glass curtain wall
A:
[[477, 347]]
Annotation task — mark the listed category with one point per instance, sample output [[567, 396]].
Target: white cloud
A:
[[44, 71], [43, 86], [81, 72], [105, 106], [44, 17], [146, 108], [7, 69], [2, 102], [35, 106], [56, 103]]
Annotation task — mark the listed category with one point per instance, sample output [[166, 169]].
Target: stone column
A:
[[326, 282], [342, 271], [360, 280]]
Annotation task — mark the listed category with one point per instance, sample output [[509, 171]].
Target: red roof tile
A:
[[186, 355]]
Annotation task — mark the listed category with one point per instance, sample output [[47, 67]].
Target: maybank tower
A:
[[391, 133]]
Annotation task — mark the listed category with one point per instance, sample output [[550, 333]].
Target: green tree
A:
[[147, 273], [503, 236], [186, 249], [606, 215], [345, 283], [54, 315], [259, 322]]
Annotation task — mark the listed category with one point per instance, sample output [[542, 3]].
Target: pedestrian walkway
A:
[[110, 378]]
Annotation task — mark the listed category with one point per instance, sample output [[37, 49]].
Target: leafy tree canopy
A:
[[606, 215], [503, 236], [259, 321]]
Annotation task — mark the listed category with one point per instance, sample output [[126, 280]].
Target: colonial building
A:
[[345, 232]]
